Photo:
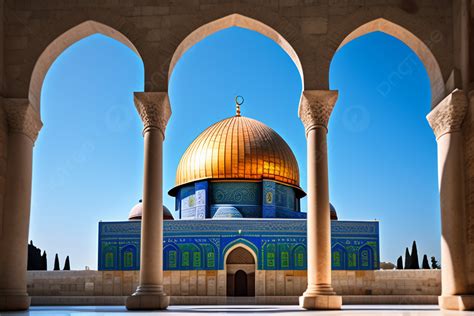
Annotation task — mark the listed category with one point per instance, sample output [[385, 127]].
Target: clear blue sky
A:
[[88, 163]]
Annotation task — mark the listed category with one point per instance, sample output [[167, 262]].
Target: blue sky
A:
[[88, 160]]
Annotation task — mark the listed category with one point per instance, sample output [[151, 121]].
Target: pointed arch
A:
[[243, 243], [438, 89], [229, 21], [60, 44]]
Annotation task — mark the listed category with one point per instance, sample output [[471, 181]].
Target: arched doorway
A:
[[240, 267], [240, 283]]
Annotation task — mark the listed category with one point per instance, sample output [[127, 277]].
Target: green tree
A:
[[67, 265], [400, 263], [56, 263], [425, 264], [414, 263], [434, 263], [407, 259], [44, 261]]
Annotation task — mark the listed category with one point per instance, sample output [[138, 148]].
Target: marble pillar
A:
[[314, 111], [24, 124], [155, 111], [445, 120]]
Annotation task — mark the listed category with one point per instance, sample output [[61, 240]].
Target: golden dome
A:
[[238, 148]]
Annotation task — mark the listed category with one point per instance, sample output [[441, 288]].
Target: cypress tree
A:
[[414, 263], [434, 263], [30, 262], [407, 259], [44, 261], [56, 263], [67, 265], [400, 263], [425, 264]]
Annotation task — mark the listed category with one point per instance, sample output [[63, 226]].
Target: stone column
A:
[[24, 124], [155, 111], [445, 120], [314, 111]]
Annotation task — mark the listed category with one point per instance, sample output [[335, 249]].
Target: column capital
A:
[[449, 114], [22, 117], [154, 109], [315, 108]]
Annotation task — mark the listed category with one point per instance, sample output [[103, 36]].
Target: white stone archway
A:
[[438, 89], [229, 21], [59, 45], [246, 268]]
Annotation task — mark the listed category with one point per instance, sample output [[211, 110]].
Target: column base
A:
[[321, 302], [14, 302], [457, 302], [148, 297]]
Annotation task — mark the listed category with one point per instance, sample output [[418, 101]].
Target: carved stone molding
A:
[[316, 107], [448, 115], [154, 109], [22, 117]]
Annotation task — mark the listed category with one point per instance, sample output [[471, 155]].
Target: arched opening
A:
[[240, 270], [60, 44], [388, 81], [422, 51], [90, 140], [209, 75], [233, 20]]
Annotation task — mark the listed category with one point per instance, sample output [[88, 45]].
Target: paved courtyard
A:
[[393, 310]]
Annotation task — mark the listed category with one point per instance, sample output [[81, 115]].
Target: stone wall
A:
[[212, 283]]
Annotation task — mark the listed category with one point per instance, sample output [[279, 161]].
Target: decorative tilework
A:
[[201, 244]]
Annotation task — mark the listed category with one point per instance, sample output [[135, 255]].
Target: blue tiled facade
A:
[[280, 244], [253, 199]]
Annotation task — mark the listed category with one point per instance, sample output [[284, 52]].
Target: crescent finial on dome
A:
[[238, 104]]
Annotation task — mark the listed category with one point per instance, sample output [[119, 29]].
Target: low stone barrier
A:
[[111, 288]]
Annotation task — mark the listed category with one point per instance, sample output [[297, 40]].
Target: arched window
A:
[[352, 261], [366, 261], [211, 259], [172, 259], [128, 259], [196, 259], [339, 257], [271, 256], [285, 259], [109, 260], [185, 259], [299, 257]]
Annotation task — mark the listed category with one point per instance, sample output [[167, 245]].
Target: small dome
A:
[[333, 212], [225, 212], [136, 212]]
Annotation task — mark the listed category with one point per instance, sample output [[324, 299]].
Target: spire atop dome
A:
[[239, 100]]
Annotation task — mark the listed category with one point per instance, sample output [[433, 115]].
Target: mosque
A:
[[237, 200]]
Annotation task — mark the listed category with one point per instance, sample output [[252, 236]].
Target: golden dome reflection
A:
[[238, 148]]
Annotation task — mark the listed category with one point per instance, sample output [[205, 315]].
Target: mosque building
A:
[[239, 223]]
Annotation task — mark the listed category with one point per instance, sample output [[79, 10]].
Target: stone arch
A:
[[240, 259], [424, 53], [59, 45], [242, 244], [228, 21]]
